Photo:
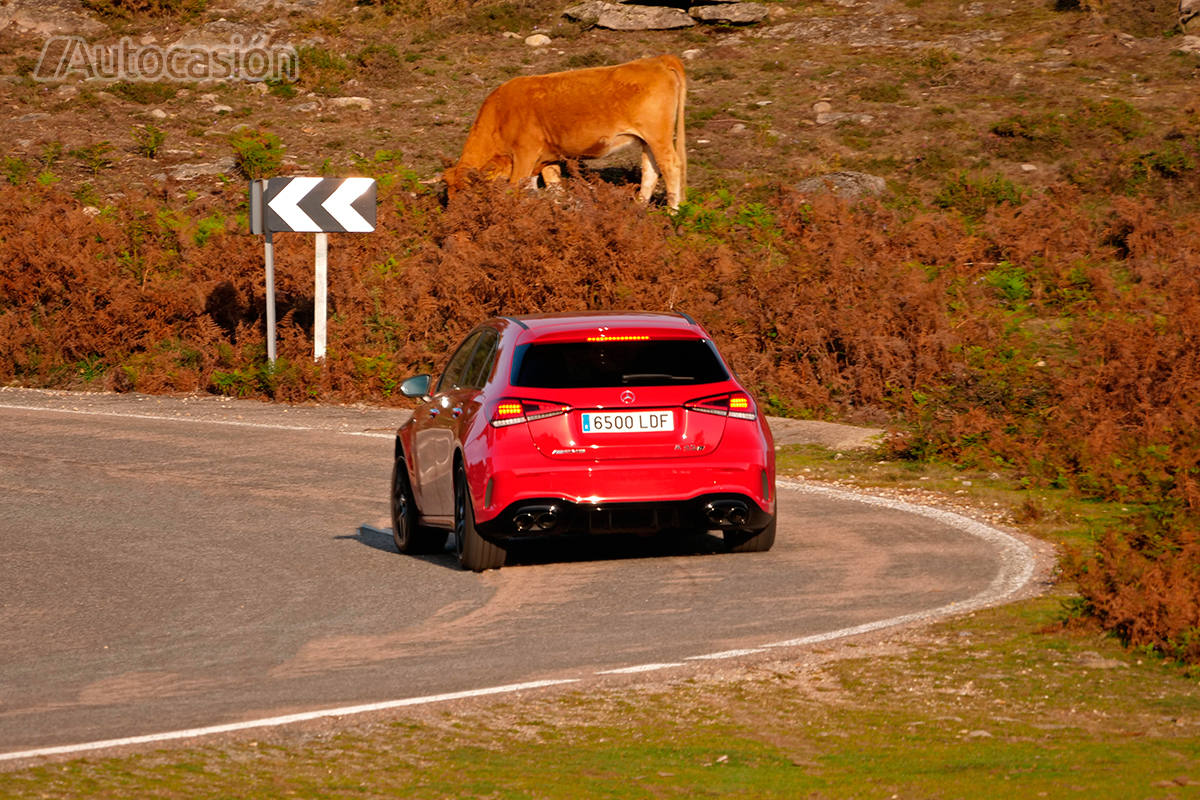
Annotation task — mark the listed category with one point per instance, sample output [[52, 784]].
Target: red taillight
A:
[[511, 411], [737, 405]]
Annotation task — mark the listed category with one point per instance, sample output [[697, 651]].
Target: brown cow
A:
[[529, 124]]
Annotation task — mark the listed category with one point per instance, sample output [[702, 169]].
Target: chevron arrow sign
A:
[[319, 205]]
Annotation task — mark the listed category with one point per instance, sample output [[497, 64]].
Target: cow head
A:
[[461, 176]]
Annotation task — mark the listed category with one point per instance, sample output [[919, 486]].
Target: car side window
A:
[[453, 376], [480, 365]]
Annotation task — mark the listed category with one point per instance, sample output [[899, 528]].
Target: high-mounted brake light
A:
[[737, 405], [513, 412], [603, 338]]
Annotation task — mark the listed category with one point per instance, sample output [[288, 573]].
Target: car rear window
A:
[[579, 365]]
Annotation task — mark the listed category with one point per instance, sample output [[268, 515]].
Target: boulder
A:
[[190, 172], [730, 13], [363, 103], [1189, 16], [587, 13], [221, 33], [849, 185], [261, 6], [50, 18], [616, 17]]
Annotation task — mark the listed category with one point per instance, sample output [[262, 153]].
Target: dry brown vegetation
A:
[[1024, 299], [1049, 341]]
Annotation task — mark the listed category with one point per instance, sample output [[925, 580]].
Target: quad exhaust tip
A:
[[535, 519], [727, 513]]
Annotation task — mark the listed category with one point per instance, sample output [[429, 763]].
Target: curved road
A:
[[172, 564]]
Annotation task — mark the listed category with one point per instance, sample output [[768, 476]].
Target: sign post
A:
[[309, 205], [269, 258], [320, 294]]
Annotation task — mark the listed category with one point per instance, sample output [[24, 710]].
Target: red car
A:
[[583, 423]]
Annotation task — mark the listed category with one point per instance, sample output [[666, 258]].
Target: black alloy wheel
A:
[[409, 536], [474, 552], [746, 542]]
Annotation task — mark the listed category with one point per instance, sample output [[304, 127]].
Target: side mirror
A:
[[416, 386]]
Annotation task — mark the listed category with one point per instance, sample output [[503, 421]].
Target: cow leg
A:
[[663, 158], [673, 175], [552, 176], [649, 174], [524, 171]]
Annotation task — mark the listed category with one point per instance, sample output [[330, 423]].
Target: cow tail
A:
[[680, 140]]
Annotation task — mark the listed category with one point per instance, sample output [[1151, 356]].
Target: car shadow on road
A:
[[612, 547], [381, 539], [375, 538], [534, 552]]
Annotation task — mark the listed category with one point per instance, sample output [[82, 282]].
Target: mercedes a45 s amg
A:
[[586, 423]]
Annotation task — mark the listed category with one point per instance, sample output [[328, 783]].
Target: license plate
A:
[[627, 421]]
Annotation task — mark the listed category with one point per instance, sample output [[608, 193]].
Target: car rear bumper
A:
[[518, 475], [556, 516]]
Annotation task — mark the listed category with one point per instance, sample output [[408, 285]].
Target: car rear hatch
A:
[[624, 398]]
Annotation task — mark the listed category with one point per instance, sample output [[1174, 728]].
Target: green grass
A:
[[983, 707], [1051, 513], [1004, 702]]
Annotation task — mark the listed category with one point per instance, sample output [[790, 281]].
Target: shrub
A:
[[16, 171], [322, 70], [51, 154], [1143, 583], [974, 195], [1029, 135], [207, 227], [499, 17], [1172, 160], [379, 61], [882, 93], [94, 157], [125, 9], [259, 153], [1010, 282], [148, 139], [143, 92], [280, 88], [1112, 118], [592, 58]]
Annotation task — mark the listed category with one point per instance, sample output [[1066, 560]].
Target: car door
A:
[[434, 435], [468, 395]]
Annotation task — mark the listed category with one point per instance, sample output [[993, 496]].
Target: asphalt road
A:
[[170, 564]]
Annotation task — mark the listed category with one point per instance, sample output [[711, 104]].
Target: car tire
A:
[[409, 536], [746, 542], [474, 552]]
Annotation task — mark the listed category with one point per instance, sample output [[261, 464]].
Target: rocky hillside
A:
[[915, 92]]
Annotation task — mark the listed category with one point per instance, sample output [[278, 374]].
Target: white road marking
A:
[[726, 654], [289, 719], [1016, 564], [271, 426], [639, 668]]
